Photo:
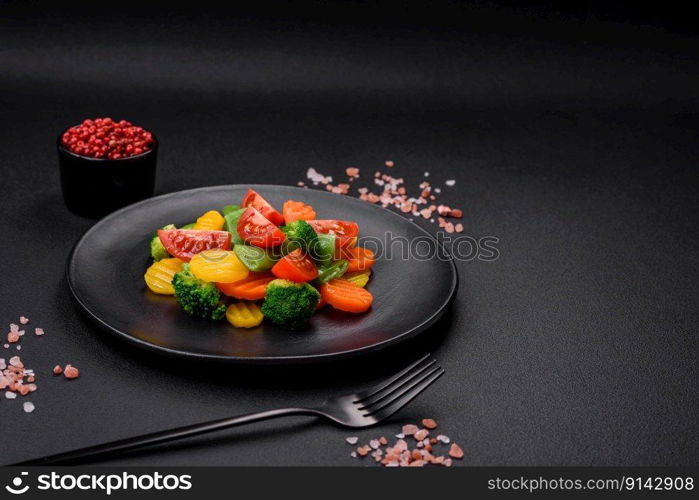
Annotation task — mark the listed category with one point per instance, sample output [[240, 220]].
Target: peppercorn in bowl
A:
[[105, 165]]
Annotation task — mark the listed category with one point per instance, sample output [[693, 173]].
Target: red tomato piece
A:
[[295, 267], [257, 230], [345, 231], [255, 200], [186, 243]]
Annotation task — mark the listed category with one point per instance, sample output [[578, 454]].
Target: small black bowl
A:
[[94, 187]]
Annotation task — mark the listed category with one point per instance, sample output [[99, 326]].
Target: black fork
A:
[[363, 409]]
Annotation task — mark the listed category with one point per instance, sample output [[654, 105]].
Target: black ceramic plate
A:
[[105, 275]]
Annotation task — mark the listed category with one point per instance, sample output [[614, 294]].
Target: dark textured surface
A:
[[573, 140]]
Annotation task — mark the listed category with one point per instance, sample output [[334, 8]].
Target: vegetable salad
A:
[[249, 262]]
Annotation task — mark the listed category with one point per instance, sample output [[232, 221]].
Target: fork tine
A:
[[397, 386], [390, 407], [373, 390]]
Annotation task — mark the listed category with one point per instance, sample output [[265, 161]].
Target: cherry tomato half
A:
[[345, 231], [186, 243], [255, 200], [257, 230], [295, 267]]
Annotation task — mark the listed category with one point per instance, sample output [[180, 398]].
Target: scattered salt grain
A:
[[421, 434], [13, 337], [450, 182], [350, 440], [28, 407], [455, 451], [410, 429], [400, 436], [16, 361], [10, 395], [38, 331], [374, 443], [14, 327], [23, 320], [71, 372], [353, 454], [444, 439], [389, 163], [19, 347], [352, 172], [427, 174], [6, 346], [3, 365], [57, 370]]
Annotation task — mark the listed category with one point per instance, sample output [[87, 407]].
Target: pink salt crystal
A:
[[410, 429], [300, 184], [459, 228], [389, 163], [23, 320], [15, 361], [57, 370], [352, 439], [449, 227], [13, 337], [456, 451], [421, 434], [400, 445], [38, 331], [352, 171], [71, 372], [14, 327], [426, 213]]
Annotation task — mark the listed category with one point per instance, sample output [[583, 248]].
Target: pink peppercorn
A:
[[106, 138]]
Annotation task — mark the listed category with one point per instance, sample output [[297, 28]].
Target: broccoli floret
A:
[[198, 298], [300, 232], [290, 304], [157, 250]]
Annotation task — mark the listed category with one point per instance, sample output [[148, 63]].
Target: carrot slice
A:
[[297, 210], [358, 258], [251, 288], [346, 296]]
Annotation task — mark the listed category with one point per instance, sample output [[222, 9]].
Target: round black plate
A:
[[105, 274]]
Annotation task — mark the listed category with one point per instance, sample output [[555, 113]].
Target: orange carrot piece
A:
[[358, 258], [297, 210], [346, 296], [251, 288]]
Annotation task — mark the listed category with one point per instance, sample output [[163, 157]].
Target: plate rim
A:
[[253, 359]]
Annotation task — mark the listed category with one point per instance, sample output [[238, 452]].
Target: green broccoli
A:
[[196, 297], [157, 250], [290, 304], [300, 232]]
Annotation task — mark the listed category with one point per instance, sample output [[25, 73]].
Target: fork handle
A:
[[112, 448]]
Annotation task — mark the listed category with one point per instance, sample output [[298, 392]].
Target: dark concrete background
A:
[[572, 137]]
